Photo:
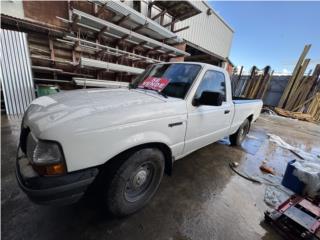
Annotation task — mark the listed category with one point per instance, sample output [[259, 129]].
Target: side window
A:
[[212, 81]]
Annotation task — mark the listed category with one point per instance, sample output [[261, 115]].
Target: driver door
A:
[[207, 124]]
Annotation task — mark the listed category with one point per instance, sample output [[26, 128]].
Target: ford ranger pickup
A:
[[123, 140]]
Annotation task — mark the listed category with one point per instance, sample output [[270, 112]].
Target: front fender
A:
[[93, 148]]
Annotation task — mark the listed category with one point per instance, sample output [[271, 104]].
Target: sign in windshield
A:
[[173, 80], [154, 83]]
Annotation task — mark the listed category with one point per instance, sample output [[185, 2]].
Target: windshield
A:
[[173, 80]]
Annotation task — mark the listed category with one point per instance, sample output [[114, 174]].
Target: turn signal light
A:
[[54, 169]]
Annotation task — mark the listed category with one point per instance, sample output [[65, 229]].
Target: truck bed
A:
[[244, 108]]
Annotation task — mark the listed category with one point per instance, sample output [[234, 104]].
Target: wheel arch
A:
[[250, 118], [118, 159]]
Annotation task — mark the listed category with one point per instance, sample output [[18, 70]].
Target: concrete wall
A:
[[274, 91]]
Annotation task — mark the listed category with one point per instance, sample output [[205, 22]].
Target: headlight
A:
[[48, 158], [47, 153]]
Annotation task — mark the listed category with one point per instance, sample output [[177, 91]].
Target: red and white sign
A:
[[154, 83]]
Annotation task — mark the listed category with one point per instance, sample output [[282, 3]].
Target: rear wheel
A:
[[135, 182], [238, 137]]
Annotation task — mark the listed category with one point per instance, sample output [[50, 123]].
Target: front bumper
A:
[[53, 190]]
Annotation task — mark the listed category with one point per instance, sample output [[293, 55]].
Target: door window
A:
[[212, 81]]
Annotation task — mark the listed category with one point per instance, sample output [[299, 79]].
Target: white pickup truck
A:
[[124, 139]]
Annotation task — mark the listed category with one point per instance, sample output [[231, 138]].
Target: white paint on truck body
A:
[[95, 125]]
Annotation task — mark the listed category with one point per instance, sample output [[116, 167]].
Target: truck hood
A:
[[84, 110]]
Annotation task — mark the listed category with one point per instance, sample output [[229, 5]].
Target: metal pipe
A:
[[99, 83], [111, 48], [109, 66]]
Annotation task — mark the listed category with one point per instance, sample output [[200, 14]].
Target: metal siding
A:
[[129, 3], [208, 32], [144, 8], [12, 8], [16, 76]]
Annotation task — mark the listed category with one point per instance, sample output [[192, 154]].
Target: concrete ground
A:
[[203, 199]]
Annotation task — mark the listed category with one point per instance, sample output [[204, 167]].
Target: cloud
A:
[[284, 72]]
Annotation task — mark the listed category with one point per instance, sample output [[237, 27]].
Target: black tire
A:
[[135, 182], [238, 137]]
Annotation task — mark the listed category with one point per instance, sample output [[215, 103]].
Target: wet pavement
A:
[[203, 199]]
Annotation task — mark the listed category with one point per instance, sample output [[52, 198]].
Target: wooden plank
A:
[[256, 86], [304, 103], [236, 84], [316, 84], [266, 73], [305, 90], [266, 85], [293, 77], [292, 95], [249, 81]]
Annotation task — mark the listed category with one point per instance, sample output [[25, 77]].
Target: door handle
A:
[[226, 111], [175, 124]]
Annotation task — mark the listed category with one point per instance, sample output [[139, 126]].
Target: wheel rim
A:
[[243, 132], [139, 182]]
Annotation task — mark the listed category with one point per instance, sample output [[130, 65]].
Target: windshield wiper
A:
[[161, 93]]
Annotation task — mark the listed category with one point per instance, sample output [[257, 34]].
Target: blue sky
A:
[[272, 33]]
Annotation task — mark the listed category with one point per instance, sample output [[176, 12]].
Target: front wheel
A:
[[135, 182], [238, 137]]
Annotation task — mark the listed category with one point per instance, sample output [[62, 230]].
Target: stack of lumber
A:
[[302, 91], [257, 83], [314, 108]]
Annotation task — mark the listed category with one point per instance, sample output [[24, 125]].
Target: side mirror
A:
[[209, 98]]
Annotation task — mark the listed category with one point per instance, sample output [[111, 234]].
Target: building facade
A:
[[114, 40]]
